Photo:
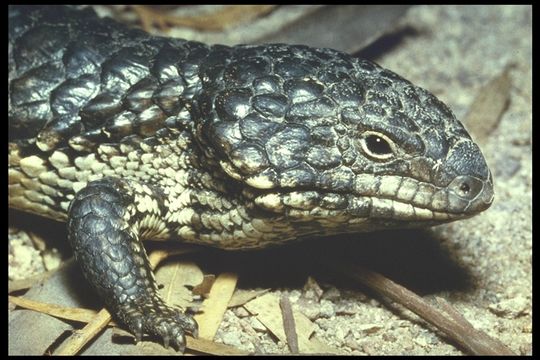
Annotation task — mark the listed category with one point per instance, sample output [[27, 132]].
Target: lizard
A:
[[127, 136]]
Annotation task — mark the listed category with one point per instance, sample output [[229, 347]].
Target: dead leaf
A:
[[486, 110], [214, 307], [240, 296], [203, 289], [174, 276], [267, 310]]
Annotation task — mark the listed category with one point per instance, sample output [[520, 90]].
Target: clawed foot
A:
[[157, 319]]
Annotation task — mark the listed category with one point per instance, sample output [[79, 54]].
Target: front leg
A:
[[103, 225]]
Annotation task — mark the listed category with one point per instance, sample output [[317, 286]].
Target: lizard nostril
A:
[[465, 188], [468, 194]]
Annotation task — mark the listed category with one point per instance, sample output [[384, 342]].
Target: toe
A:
[[157, 319], [179, 341], [191, 326]]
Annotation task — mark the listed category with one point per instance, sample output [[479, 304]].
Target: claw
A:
[[191, 326], [137, 329], [165, 334], [157, 319], [181, 343], [194, 331]]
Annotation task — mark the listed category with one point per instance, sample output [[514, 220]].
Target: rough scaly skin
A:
[[128, 137]]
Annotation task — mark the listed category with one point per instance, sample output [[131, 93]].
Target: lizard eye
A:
[[377, 146]]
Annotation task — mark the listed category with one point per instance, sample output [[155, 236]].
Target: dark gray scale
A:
[[269, 84], [302, 90], [314, 112], [139, 96], [271, 105], [166, 96], [258, 128], [287, 148]]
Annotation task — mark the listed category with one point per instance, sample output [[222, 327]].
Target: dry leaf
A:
[[240, 297], [486, 110], [215, 306], [268, 312], [204, 287], [174, 276]]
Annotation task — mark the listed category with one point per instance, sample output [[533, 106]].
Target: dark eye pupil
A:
[[378, 145]]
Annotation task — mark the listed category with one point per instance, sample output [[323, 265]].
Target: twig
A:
[[450, 310], [470, 339], [288, 323], [481, 338], [61, 312], [79, 338]]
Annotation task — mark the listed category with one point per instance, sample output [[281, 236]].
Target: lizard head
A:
[[316, 135]]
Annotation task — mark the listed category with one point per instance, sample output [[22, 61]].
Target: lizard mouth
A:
[[464, 197], [330, 205]]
